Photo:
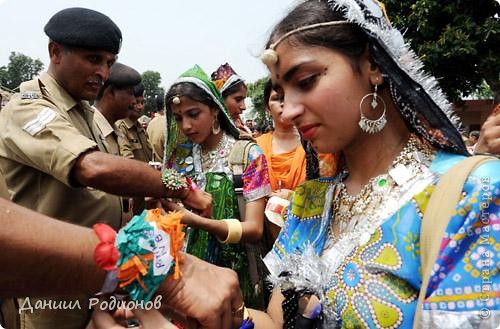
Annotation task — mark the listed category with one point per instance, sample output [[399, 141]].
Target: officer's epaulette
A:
[[30, 90]]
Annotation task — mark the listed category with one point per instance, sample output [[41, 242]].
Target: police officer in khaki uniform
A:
[[114, 102], [135, 144], [157, 129], [51, 156]]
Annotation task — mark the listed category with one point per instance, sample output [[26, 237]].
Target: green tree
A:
[[256, 94], [20, 68], [483, 92], [151, 81], [458, 41]]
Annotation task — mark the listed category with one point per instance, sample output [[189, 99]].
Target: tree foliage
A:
[[458, 41], [151, 81], [20, 68], [256, 94]]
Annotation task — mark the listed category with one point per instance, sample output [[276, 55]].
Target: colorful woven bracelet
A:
[[106, 256], [148, 251], [173, 180]]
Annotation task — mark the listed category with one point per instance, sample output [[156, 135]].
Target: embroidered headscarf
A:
[[176, 143], [225, 77], [416, 94]]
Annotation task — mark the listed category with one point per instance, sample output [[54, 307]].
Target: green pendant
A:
[[382, 182]]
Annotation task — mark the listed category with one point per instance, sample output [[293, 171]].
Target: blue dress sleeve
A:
[[464, 286]]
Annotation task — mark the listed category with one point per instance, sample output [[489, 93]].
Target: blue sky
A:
[[167, 36]]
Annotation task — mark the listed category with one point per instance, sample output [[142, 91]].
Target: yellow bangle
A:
[[234, 231]]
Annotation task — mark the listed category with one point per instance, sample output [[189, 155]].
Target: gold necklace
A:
[[347, 209]]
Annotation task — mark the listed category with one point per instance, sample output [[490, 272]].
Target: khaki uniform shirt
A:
[[133, 140], [4, 191], [107, 133], [43, 131], [156, 133]]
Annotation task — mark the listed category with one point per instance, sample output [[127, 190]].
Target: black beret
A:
[[84, 28], [121, 75]]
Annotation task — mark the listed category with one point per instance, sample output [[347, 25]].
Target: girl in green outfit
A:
[[202, 143]]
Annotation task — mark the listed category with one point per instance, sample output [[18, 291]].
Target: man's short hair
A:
[[139, 90], [160, 102]]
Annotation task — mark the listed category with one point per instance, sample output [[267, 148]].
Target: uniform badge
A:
[[30, 95]]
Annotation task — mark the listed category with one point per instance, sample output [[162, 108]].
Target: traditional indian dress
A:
[[212, 173], [286, 170], [366, 270], [371, 276]]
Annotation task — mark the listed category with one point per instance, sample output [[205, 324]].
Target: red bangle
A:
[[105, 254], [192, 185]]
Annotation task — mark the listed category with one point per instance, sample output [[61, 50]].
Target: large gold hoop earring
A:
[[216, 127]]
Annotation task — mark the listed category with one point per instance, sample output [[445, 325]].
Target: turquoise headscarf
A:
[[176, 143]]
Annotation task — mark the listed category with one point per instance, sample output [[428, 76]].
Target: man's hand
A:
[[200, 201], [489, 137], [205, 292]]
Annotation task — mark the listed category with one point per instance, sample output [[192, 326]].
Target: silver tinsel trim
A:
[[393, 41], [309, 272], [313, 273]]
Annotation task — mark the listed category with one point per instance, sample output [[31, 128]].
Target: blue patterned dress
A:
[[377, 284]]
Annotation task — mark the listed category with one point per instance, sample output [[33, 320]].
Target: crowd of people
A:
[[362, 208]]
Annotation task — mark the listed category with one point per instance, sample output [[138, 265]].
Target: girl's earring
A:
[[216, 127], [372, 126]]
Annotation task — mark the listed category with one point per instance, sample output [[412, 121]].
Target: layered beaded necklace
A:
[[210, 159], [348, 210]]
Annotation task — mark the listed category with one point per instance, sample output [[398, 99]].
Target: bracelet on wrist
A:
[[143, 253], [106, 256], [234, 231], [174, 182]]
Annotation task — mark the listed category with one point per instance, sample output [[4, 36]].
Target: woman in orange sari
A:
[[287, 160], [282, 147]]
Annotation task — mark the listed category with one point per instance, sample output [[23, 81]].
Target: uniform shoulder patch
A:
[[30, 95], [39, 123]]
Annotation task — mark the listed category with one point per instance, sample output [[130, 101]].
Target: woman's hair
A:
[[348, 39], [233, 89], [190, 90], [268, 88], [197, 94]]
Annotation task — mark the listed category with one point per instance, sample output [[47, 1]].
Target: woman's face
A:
[[195, 119], [275, 107], [322, 92], [235, 102]]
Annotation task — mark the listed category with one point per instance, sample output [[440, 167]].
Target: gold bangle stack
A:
[[234, 231]]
